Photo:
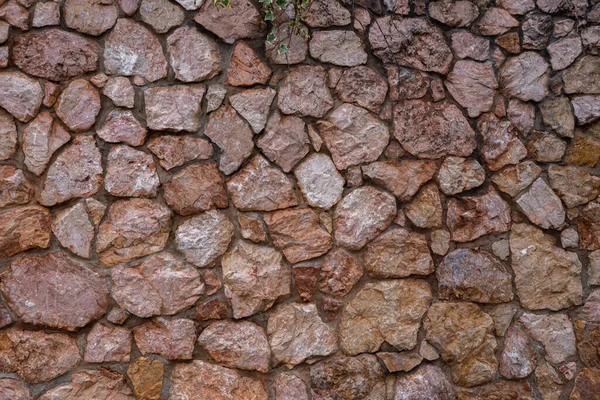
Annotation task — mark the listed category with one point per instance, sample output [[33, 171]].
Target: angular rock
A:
[[174, 108], [462, 333], [542, 206], [536, 28], [520, 390], [297, 45], [288, 386], [588, 224], [363, 86], [171, 338], [502, 315], [254, 277], [362, 215], [453, 13], [403, 178], [211, 309], [305, 281], [325, 13], [297, 334], [457, 175], [261, 187], [15, 188], [339, 273], [41, 138], [129, 7], [108, 344], [426, 209], [254, 105], [588, 340], [239, 21], [285, 141], [252, 228], [78, 105], [410, 42], [132, 50], [130, 173], [546, 276], [15, 15], [241, 345], [395, 307], [146, 376], [518, 358], [404, 361], [521, 115], [203, 380], [476, 276], [587, 385], [557, 114], [298, 234], [122, 126], [525, 77], [162, 15], [573, 184], [160, 285], [586, 109], [406, 83], [320, 182], [195, 189], [518, 7], [193, 56], [92, 384], [509, 42], [54, 54], [8, 136], [358, 378], [78, 294], [120, 90], [176, 150], [246, 68], [440, 242], [466, 45], [338, 47], [584, 150], [21, 96], [23, 228], [398, 253], [496, 21], [89, 16], [548, 381], [471, 217], [233, 136], [427, 382], [501, 145], [76, 172], [133, 228], [74, 230], [564, 52], [546, 147], [14, 389], [46, 14], [554, 332], [583, 77], [473, 85], [304, 92], [204, 238], [442, 129]]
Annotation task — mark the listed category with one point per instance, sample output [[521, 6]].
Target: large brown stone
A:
[[133, 228], [395, 307], [546, 276], [588, 224], [554, 332], [241, 345], [78, 105], [246, 68], [304, 92], [254, 105], [160, 285], [174, 108], [339, 273], [15, 188], [583, 77], [514, 179], [23, 228], [500, 390], [518, 358], [426, 209], [106, 343], [525, 77], [37, 356], [338, 47], [261, 187], [54, 54], [133, 50], [285, 141], [171, 338], [14, 389], [471, 217], [433, 130], [473, 85], [101, 384], [90, 16], [458, 175], [162, 15], [194, 56], [240, 21], [402, 178], [297, 334], [20, 95], [254, 277], [573, 184], [427, 382], [587, 385], [363, 86], [146, 376], [411, 42], [501, 145], [362, 215], [176, 150]]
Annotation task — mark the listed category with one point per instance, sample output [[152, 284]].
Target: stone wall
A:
[[403, 206]]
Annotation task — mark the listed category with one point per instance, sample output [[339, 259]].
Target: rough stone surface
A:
[[343, 48], [120, 90], [193, 56], [130, 173], [403, 179], [89, 16], [425, 210], [74, 230], [501, 145], [574, 185], [240, 21], [15, 188], [146, 376], [122, 126], [108, 344], [554, 332], [304, 92], [171, 338], [466, 45], [518, 357], [406, 83], [285, 141], [363, 86], [13, 389], [246, 68], [78, 106], [427, 382], [174, 151], [162, 15], [320, 183], [289, 387], [100, 384], [473, 85], [174, 108], [583, 77], [23, 228], [496, 21], [542, 206], [525, 77], [457, 175], [253, 105], [41, 138]]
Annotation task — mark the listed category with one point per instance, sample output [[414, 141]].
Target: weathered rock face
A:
[[433, 130], [285, 141], [108, 344], [473, 85], [339, 273], [162, 15], [513, 179], [78, 106], [546, 276], [542, 206], [36, 356], [23, 228], [516, 390], [496, 21], [427, 382], [130, 173], [361, 215], [304, 92], [240, 21], [554, 332], [573, 184], [425, 210], [253, 105], [254, 277], [122, 126], [501, 145], [15, 188], [246, 68], [13, 389], [174, 108], [403, 179], [89, 16], [363, 86], [8, 135], [583, 77], [589, 227], [458, 175], [240, 345], [297, 334], [395, 307], [343, 48], [289, 387], [321, 184], [174, 151], [525, 77], [171, 338], [74, 230], [78, 294], [146, 375], [587, 384], [193, 56], [518, 357], [120, 91], [133, 228], [100, 384], [54, 54]]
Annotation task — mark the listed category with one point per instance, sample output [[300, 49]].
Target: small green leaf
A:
[[271, 38], [283, 49], [282, 3], [269, 16]]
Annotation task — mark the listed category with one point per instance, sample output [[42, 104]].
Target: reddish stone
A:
[[473, 85], [240, 21], [92, 384], [525, 77], [8, 136], [15, 189], [246, 68], [363, 86], [176, 150], [174, 108], [74, 230], [211, 309], [171, 338], [496, 21], [130, 172], [78, 105], [320, 182], [305, 281], [14, 389], [254, 105], [429, 382], [122, 126], [338, 47], [426, 209], [403, 178], [20, 95], [587, 385], [339, 273], [406, 83], [194, 56], [454, 13], [15, 15], [297, 45], [304, 92], [90, 16], [285, 141], [501, 145], [288, 386], [24, 228], [325, 13], [252, 228], [107, 344], [146, 375], [162, 15], [41, 138]]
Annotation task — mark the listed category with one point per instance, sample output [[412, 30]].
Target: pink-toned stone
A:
[[175, 151], [78, 294], [162, 15], [304, 92], [122, 126], [522, 115], [78, 105], [410, 42], [107, 344], [588, 224], [573, 184], [90, 16], [554, 332], [339, 273], [36, 356], [193, 56], [212, 281], [8, 136], [542, 206], [563, 52], [131, 49], [174, 108], [363, 86], [254, 105], [196, 188], [130, 173], [20, 95], [254, 277], [433, 130], [285, 141], [23, 228], [133, 228], [54, 54], [305, 280], [466, 45], [501, 145], [41, 138], [15, 15], [426, 209], [325, 13], [252, 228], [261, 187], [402, 178], [92, 384], [586, 108], [160, 285], [473, 85], [171, 338], [241, 345], [583, 76], [95, 209], [14, 389], [15, 188], [453, 13], [406, 83], [46, 14], [76, 172], [520, 390], [211, 309], [361, 215], [297, 45], [120, 90], [471, 217], [496, 21], [246, 68], [458, 175], [74, 230], [240, 21], [204, 238], [338, 47], [546, 147], [427, 382], [320, 182], [286, 386], [557, 114], [525, 77]]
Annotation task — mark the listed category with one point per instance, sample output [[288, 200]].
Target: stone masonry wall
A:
[[402, 207]]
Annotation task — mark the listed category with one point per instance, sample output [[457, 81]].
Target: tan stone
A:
[[146, 375], [339, 273], [402, 178], [426, 209]]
